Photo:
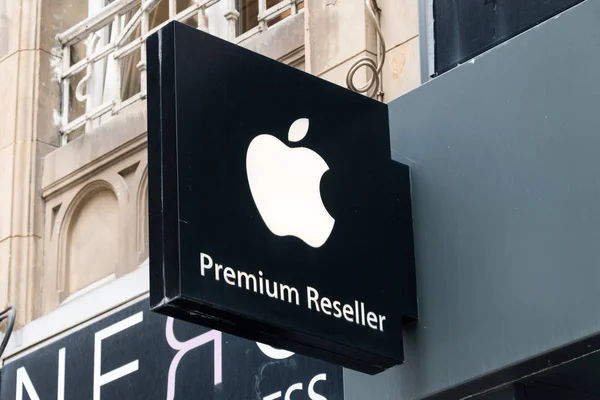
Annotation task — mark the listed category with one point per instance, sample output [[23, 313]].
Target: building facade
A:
[[73, 162], [74, 212]]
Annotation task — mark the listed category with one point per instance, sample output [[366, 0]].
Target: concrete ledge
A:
[[279, 40], [88, 306], [89, 153]]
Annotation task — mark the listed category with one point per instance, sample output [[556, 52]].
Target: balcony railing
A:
[[103, 56]]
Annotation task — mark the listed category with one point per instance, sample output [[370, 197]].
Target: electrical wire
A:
[[10, 313], [374, 83]]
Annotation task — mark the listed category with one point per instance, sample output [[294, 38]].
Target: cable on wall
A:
[[373, 86]]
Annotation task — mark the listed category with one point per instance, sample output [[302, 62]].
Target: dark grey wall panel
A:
[[464, 29], [505, 158], [512, 392]]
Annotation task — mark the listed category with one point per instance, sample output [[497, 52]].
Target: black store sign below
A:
[[135, 354], [276, 211]]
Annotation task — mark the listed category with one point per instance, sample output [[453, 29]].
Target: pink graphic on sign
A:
[[184, 347]]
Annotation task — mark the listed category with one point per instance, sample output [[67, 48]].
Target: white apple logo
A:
[[284, 183]]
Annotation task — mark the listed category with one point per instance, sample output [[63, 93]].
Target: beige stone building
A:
[[73, 164]]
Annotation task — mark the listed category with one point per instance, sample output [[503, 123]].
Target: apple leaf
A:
[[298, 130]]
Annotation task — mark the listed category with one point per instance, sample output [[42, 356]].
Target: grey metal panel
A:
[[505, 157]]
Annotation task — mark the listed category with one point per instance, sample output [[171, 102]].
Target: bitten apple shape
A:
[[284, 183]]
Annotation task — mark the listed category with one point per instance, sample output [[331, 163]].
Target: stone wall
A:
[[74, 217], [29, 100]]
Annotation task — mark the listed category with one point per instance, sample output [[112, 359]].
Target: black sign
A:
[[276, 212], [138, 355]]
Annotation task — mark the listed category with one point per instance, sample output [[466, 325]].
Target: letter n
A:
[[23, 381]]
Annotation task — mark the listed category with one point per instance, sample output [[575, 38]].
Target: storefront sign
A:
[[276, 212], [138, 355]]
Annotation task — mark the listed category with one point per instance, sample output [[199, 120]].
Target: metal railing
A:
[[111, 49]]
